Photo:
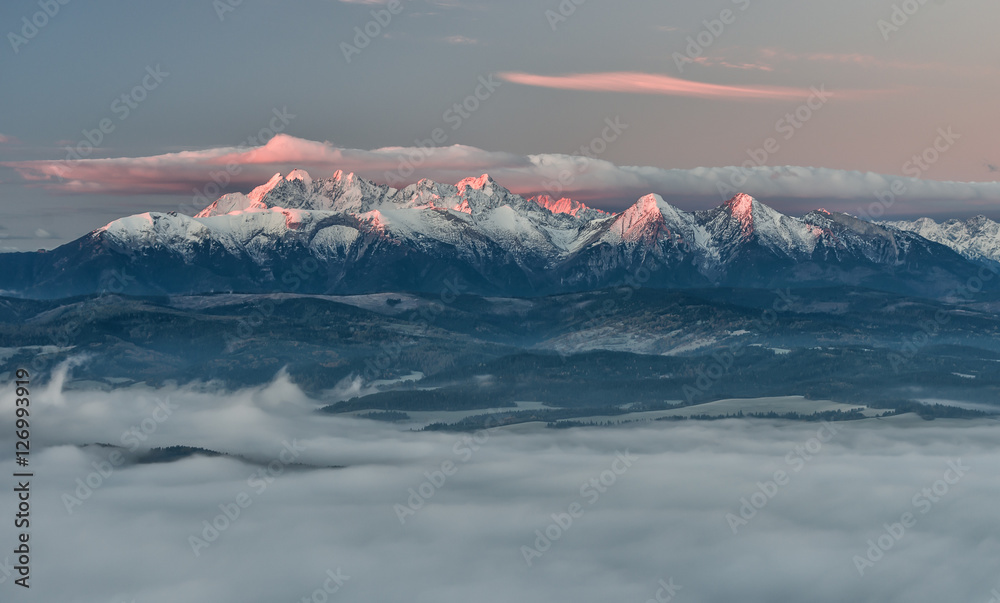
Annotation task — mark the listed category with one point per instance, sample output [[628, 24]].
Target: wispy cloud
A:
[[774, 56], [720, 62], [461, 40], [649, 83]]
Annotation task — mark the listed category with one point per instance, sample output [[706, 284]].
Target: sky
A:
[[814, 104], [670, 512]]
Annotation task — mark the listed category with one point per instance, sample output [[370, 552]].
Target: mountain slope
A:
[[977, 238], [347, 235]]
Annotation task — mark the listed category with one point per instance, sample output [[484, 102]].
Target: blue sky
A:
[[699, 84]]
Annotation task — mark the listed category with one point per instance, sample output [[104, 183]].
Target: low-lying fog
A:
[[877, 511]]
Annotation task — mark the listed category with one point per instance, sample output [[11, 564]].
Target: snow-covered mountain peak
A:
[[650, 206], [824, 217], [345, 177], [300, 175], [483, 183], [743, 219], [742, 208], [231, 203], [257, 195], [568, 206], [977, 238], [642, 221], [177, 231], [741, 203]]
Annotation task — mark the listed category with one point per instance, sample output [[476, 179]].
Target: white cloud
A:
[[789, 188]]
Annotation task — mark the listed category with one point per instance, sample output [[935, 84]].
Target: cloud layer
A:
[[203, 174], [663, 517]]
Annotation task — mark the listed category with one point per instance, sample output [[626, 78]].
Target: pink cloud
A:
[[191, 174], [7, 139], [235, 168], [713, 61], [646, 83]]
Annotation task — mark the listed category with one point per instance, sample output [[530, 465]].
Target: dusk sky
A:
[[847, 92]]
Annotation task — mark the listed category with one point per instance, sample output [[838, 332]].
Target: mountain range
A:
[[348, 235]]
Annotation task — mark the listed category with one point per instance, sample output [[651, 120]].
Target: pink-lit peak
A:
[[562, 206], [644, 219], [463, 207], [340, 175], [648, 204], [645, 209], [257, 194], [476, 183], [301, 175], [741, 203], [741, 208]]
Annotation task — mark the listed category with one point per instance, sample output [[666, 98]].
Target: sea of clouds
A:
[[356, 510]]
